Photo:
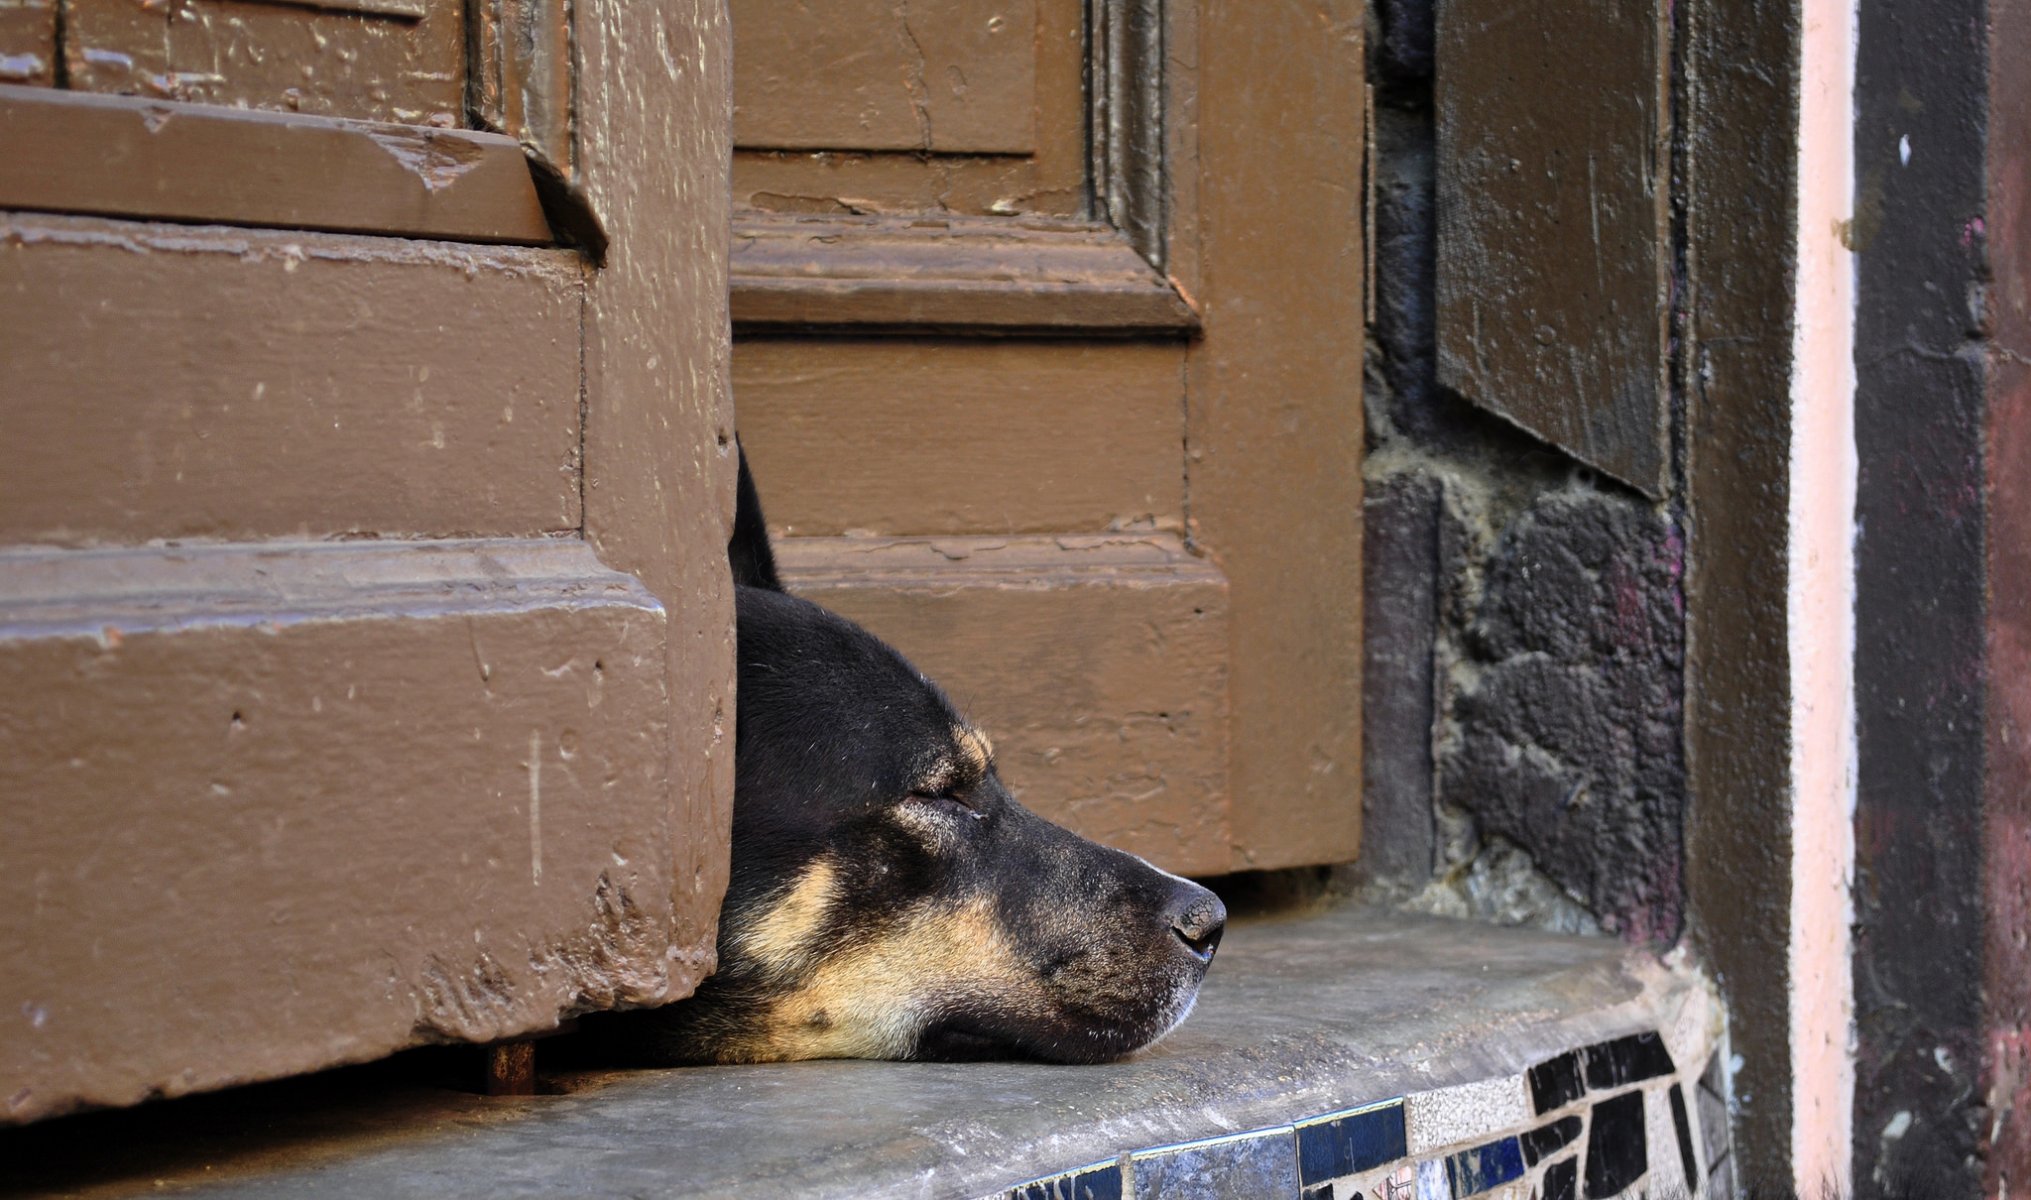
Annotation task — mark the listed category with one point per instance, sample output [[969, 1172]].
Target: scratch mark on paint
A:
[[1594, 207], [536, 808], [914, 80], [478, 659]]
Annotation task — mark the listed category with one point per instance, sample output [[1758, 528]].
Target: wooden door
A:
[[1049, 324], [365, 636]]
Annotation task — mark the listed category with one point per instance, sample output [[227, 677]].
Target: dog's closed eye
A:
[[947, 802]]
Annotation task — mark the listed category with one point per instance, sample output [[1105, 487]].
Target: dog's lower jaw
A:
[[733, 1029], [727, 1023], [1068, 1035]]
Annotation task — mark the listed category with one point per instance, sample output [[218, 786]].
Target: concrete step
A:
[[1351, 1051]]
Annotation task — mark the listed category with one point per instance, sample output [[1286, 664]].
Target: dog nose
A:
[[1197, 917]]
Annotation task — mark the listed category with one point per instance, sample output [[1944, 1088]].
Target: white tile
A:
[[1660, 1136], [1692, 1032], [1432, 1183], [1474, 1112]]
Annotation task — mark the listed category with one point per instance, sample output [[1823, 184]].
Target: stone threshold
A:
[[1343, 1053]]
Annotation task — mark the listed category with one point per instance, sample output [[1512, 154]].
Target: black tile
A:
[[1685, 1150], [1347, 1143], [1319, 1191], [1102, 1181], [1615, 1152], [1561, 1180], [1713, 1114], [1555, 1083], [1547, 1140], [1626, 1060]]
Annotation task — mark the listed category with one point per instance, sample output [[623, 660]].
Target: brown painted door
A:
[[365, 638], [1049, 343]]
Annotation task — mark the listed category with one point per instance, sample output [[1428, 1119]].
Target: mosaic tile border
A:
[[1614, 1119]]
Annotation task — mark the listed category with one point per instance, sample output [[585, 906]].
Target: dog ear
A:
[[747, 551]]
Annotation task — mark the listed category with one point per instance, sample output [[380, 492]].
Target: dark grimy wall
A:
[[1578, 692], [1526, 632], [1577, 687], [1943, 430]]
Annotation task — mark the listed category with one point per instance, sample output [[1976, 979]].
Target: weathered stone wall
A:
[[1525, 674]]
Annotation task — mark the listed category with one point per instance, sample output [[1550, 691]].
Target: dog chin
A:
[[1072, 1038]]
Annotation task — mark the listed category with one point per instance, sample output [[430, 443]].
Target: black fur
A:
[[748, 552]]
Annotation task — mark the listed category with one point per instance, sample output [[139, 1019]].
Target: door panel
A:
[[1098, 473], [28, 43], [325, 385], [320, 801], [1573, 347], [660, 461], [384, 60], [1274, 403], [955, 436], [1096, 663], [943, 79], [868, 107], [366, 640]]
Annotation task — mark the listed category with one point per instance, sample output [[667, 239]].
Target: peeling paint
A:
[[436, 161]]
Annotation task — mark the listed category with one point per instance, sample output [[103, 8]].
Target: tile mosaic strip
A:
[[1632, 1059], [1615, 1148], [1561, 1181], [1667, 1171], [1484, 1141], [1396, 1183], [1244, 1166], [1468, 1113], [1555, 1082], [1101, 1181], [1682, 1127], [1350, 1142], [1713, 1112], [1711, 1108], [1484, 1167], [1547, 1140], [1721, 1178]]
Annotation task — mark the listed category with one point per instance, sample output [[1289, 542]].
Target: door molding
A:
[[915, 274], [160, 159], [912, 274]]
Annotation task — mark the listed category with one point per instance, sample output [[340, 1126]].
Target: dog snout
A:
[[1197, 917]]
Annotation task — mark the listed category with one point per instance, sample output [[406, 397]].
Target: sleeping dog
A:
[[889, 898]]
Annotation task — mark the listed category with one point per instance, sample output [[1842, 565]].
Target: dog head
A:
[[889, 897]]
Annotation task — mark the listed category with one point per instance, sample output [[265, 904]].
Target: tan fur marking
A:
[[929, 827], [782, 939], [974, 747], [936, 778], [873, 1000]]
